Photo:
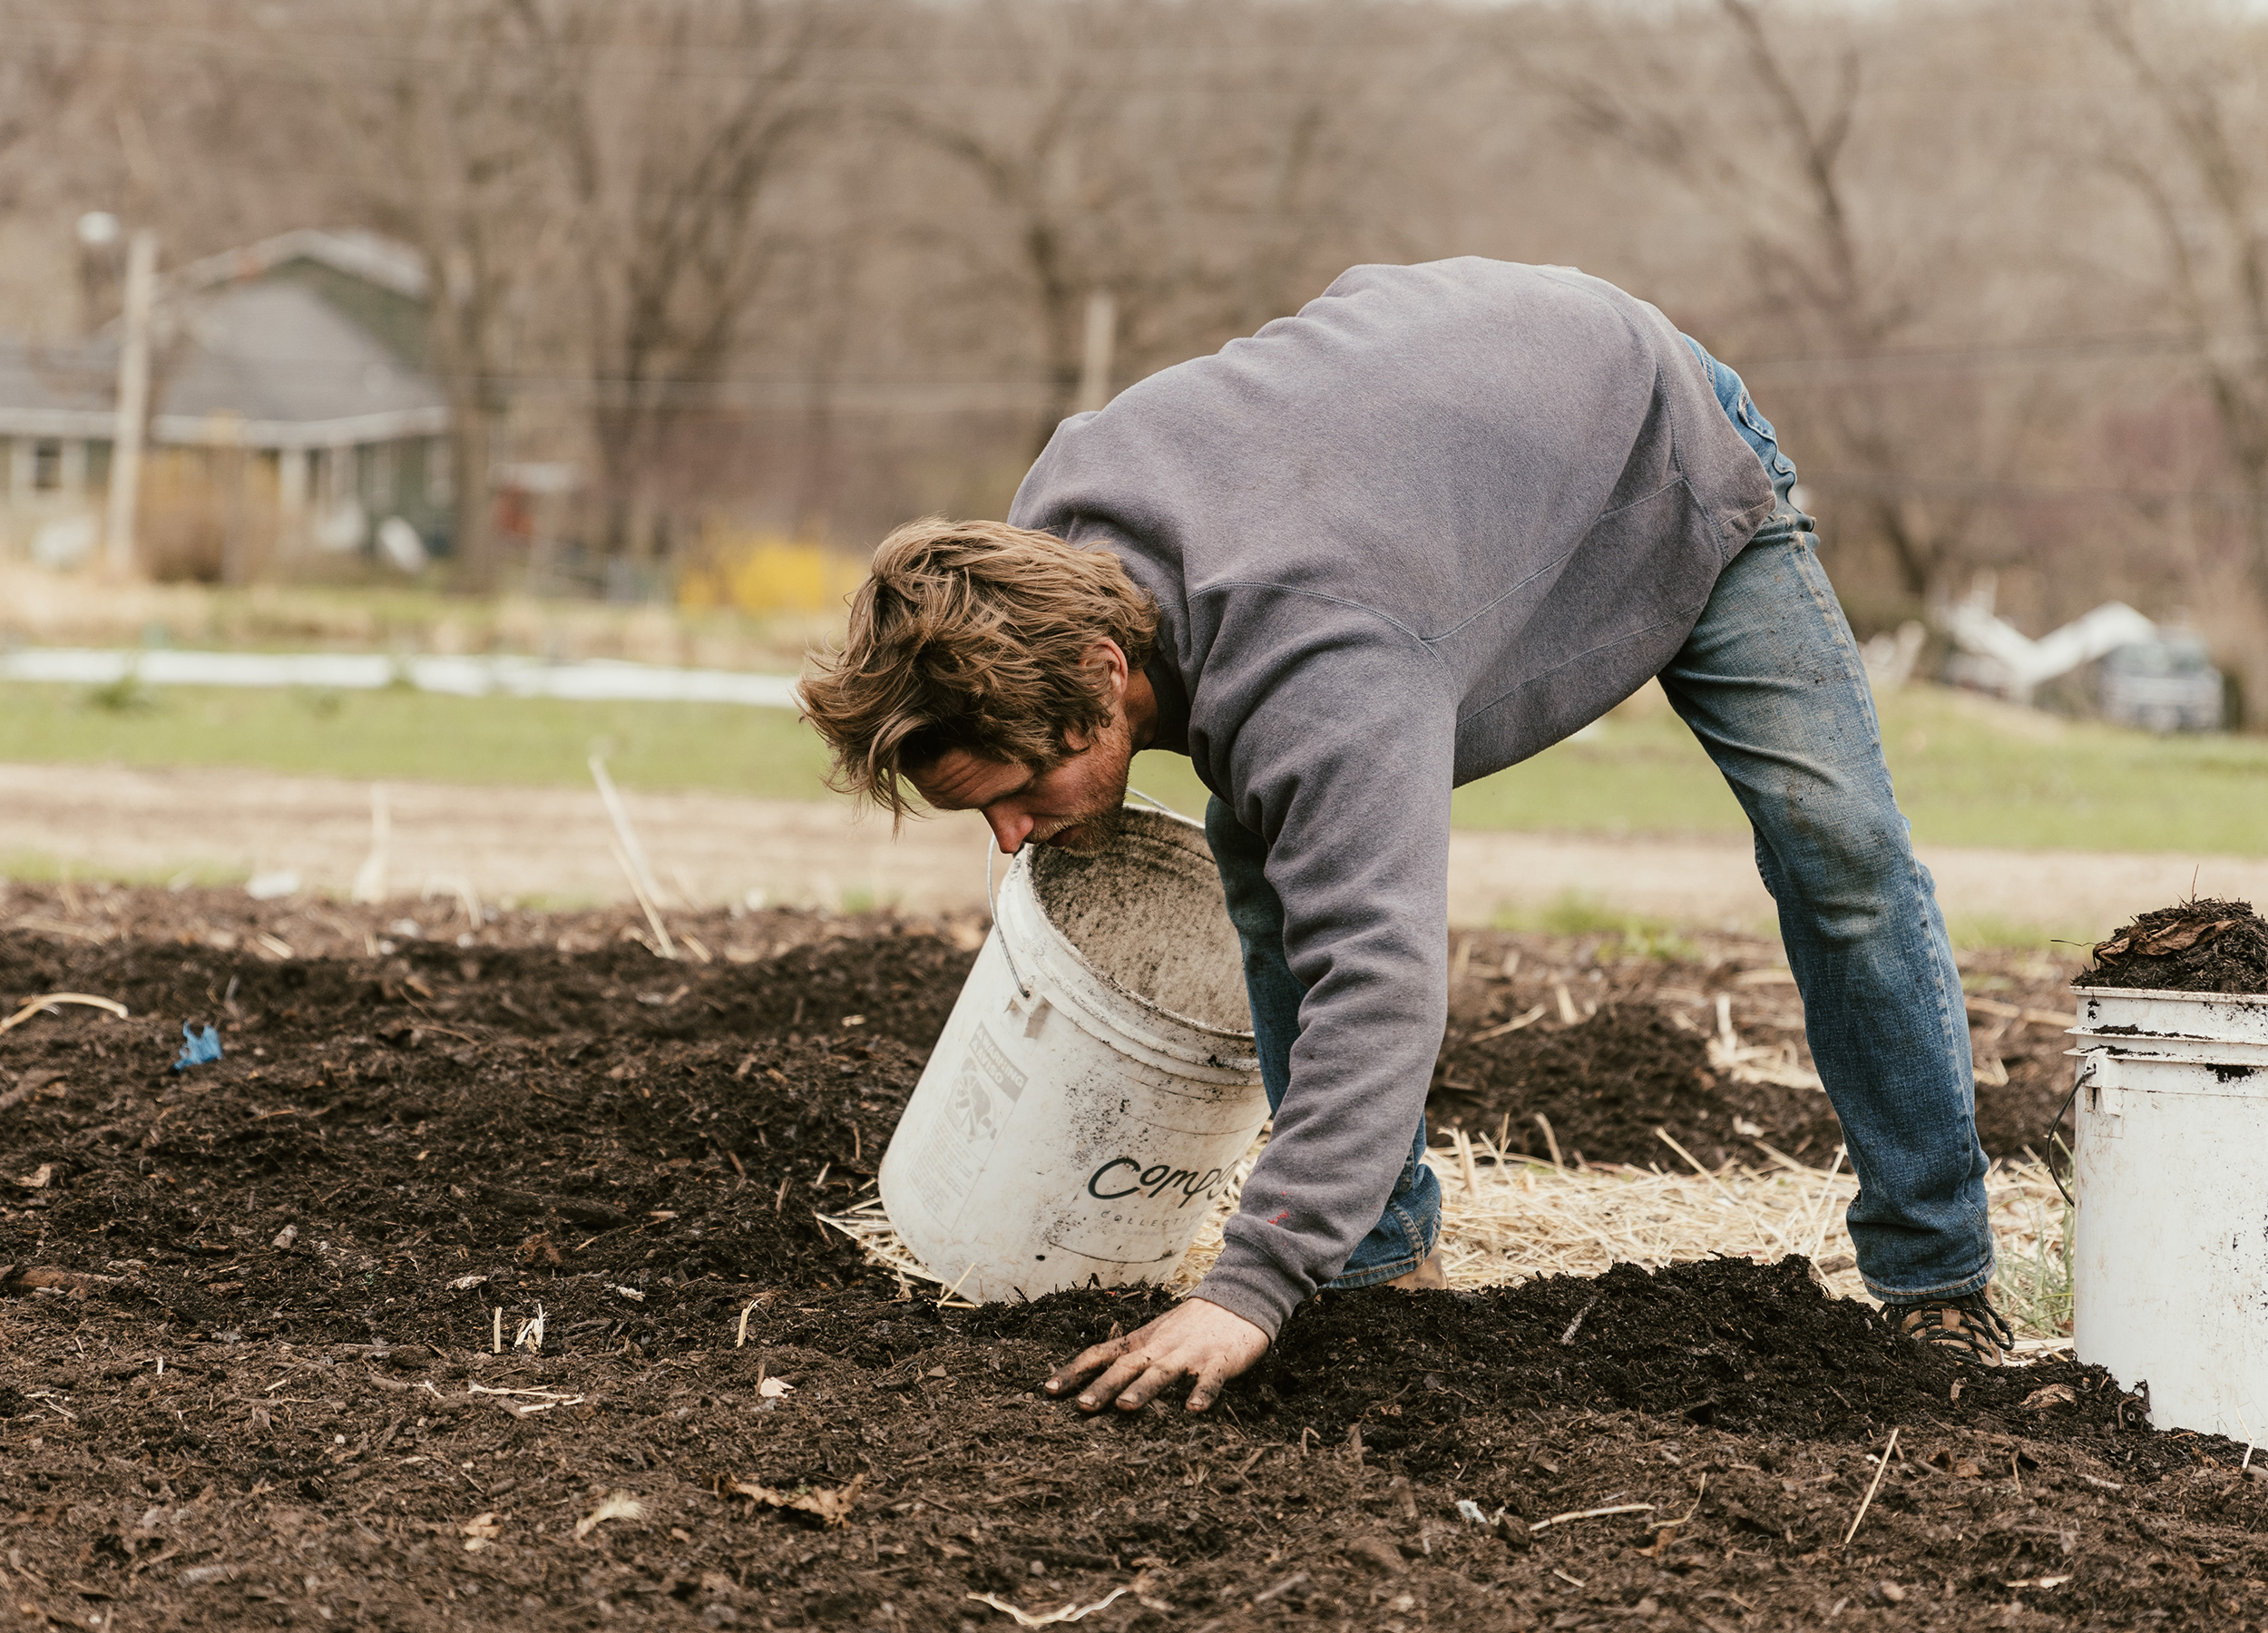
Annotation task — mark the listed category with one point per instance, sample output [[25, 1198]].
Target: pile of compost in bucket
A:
[[2212, 946], [250, 1313]]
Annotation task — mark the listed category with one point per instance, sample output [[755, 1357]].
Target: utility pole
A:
[[1094, 369], [134, 402]]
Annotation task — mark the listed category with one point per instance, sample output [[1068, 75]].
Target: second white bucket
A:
[[1096, 1085], [2170, 1244]]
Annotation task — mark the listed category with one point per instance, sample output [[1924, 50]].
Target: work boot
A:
[[1428, 1277], [1967, 1329]]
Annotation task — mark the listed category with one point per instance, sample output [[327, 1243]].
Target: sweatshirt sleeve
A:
[[1342, 762]]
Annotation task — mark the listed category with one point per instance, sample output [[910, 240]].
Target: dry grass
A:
[[1507, 1219]]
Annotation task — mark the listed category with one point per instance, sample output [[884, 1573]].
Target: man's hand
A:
[[1194, 1339]]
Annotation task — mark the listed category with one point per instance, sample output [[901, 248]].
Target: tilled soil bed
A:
[[247, 1329]]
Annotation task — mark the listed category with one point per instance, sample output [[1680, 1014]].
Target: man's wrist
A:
[[1252, 1292]]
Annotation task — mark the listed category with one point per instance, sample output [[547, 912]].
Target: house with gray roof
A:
[[296, 365]]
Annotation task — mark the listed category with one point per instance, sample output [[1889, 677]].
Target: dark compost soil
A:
[[1636, 1057], [247, 1313], [2211, 946]]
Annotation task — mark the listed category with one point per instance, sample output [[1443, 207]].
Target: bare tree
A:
[[674, 132], [2205, 183], [448, 123], [1768, 148]]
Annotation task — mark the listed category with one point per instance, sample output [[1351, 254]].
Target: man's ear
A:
[[1105, 653]]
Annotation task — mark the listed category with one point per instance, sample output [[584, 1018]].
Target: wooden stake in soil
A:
[[369, 884], [1881, 1469], [630, 857]]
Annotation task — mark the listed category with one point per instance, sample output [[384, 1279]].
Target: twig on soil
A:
[[953, 1291], [49, 1001], [741, 1341], [1881, 1469], [1551, 1140], [630, 857], [1569, 1336], [1597, 1513], [1529, 1019], [1284, 1587], [1670, 1524], [1069, 1613], [497, 1332]]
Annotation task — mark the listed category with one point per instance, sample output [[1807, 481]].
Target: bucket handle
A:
[[2087, 1068], [992, 849], [1153, 800]]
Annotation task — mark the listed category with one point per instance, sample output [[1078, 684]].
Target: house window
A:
[[440, 482], [47, 467]]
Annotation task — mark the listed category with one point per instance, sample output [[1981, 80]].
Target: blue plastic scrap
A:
[[200, 1047]]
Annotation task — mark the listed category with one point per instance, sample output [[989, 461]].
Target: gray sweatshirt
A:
[[1438, 520]]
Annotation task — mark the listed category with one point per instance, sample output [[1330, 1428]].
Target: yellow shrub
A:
[[764, 573]]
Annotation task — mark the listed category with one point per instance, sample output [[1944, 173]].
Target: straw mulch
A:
[[1507, 1218]]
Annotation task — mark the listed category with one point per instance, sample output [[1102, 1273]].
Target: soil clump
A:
[[251, 1315], [2211, 946]]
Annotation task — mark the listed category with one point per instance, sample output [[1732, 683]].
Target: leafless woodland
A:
[[1999, 270]]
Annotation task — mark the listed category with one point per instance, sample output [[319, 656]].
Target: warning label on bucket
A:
[[976, 1109]]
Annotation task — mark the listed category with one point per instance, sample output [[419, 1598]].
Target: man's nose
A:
[[1009, 829]]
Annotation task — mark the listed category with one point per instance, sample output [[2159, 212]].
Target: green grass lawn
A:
[[1968, 772], [401, 734]]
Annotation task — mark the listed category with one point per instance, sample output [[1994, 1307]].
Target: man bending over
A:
[[1442, 518]]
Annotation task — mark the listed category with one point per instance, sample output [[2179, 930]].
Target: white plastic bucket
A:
[[2170, 1244], [1096, 1083]]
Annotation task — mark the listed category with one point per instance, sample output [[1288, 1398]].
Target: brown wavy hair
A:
[[971, 635]]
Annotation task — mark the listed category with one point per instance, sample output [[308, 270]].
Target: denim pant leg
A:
[[1412, 1223], [1772, 683]]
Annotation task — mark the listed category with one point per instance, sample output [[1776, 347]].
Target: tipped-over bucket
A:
[[2170, 1245], [1096, 1084]]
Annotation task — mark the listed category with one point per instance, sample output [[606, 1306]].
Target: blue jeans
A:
[[1772, 684]]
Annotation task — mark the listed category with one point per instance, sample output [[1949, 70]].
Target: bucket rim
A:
[[1026, 861], [2189, 1052], [2167, 994]]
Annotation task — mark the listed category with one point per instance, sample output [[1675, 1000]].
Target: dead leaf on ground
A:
[[479, 1532], [773, 1389], [616, 1506], [830, 1505], [38, 1178], [2053, 1395]]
